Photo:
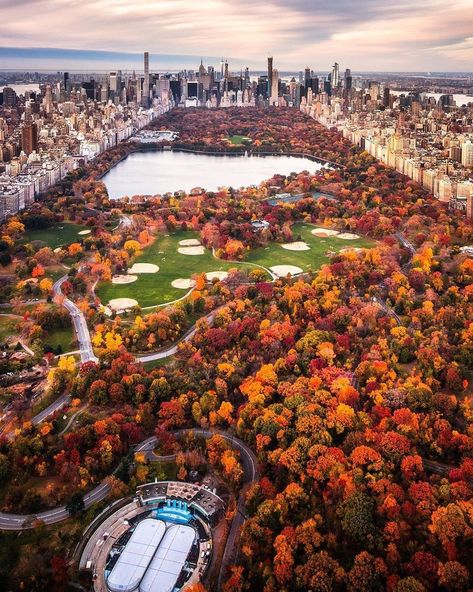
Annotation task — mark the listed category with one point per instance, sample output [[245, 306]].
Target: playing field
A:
[[239, 140], [151, 289], [60, 234], [310, 259]]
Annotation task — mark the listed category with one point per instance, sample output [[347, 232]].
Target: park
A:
[[165, 271]]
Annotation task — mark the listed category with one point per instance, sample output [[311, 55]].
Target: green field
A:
[[151, 289], [8, 326], [60, 234], [274, 254], [62, 336], [239, 140]]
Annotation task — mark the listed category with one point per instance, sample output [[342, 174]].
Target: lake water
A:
[[298, 197], [151, 173]]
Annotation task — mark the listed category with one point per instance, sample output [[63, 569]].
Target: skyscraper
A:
[[348, 79], [145, 96], [247, 78], [467, 154], [9, 97], [48, 101], [335, 75], [274, 87], [29, 138], [270, 76], [67, 83]]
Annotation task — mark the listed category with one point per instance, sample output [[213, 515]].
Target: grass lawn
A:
[[8, 327], [239, 140], [158, 363], [62, 336], [274, 254], [60, 234], [151, 289], [168, 469]]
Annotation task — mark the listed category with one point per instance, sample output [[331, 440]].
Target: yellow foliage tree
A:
[[45, 285], [132, 247], [67, 364]]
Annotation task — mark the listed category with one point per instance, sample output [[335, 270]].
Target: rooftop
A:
[[166, 565], [134, 560]]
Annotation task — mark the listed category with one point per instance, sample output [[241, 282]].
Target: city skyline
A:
[[371, 36]]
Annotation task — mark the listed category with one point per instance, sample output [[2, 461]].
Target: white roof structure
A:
[[164, 569], [133, 562]]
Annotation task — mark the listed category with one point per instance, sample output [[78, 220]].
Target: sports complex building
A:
[[169, 539]]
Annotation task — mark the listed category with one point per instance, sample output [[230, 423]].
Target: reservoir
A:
[[152, 173]]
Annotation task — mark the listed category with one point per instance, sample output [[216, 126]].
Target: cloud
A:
[[361, 34]]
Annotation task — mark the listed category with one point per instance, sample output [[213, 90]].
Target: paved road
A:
[[172, 349], [405, 243], [125, 221], [251, 474], [387, 309], [79, 323], [248, 460], [71, 421], [23, 521], [50, 409]]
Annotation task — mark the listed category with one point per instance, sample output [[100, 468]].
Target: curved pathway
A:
[[80, 324], [249, 464], [59, 403], [172, 349], [19, 522]]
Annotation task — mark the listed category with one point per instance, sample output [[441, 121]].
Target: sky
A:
[[365, 35]]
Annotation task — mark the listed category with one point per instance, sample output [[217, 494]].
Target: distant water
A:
[[298, 197], [21, 89], [458, 98], [151, 173]]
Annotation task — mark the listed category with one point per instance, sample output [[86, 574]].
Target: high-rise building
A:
[[386, 97], [29, 138], [9, 97], [113, 81], [374, 91], [335, 79], [145, 96], [274, 88], [307, 80], [48, 101], [469, 207], [270, 76], [467, 154], [348, 79], [247, 78]]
